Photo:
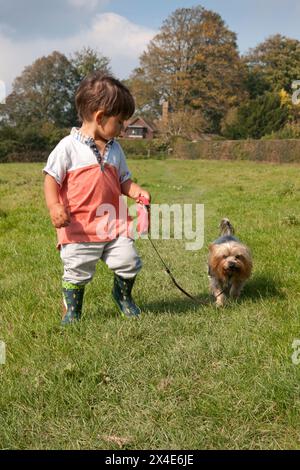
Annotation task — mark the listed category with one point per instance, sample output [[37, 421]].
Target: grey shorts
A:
[[80, 259]]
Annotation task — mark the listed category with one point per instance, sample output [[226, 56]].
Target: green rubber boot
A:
[[72, 303], [121, 294]]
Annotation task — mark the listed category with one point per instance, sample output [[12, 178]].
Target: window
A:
[[137, 131]]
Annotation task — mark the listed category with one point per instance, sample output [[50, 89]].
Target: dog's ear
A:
[[211, 247]]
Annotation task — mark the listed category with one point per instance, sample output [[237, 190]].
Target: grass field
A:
[[184, 377]]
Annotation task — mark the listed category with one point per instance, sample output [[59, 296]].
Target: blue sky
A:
[[121, 29]]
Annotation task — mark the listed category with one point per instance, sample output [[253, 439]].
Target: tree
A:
[[88, 60], [147, 99], [45, 91], [256, 83], [194, 63], [276, 61]]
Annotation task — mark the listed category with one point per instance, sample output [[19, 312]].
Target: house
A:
[[138, 128]]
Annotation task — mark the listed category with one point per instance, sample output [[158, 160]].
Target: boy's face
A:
[[110, 126]]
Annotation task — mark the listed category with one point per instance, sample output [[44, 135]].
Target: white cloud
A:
[[89, 4], [112, 35], [118, 37]]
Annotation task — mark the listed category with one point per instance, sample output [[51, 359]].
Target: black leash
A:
[[146, 204], [172, 277], [168, 271]]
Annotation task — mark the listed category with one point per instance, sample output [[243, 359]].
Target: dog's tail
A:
[[226, 228]]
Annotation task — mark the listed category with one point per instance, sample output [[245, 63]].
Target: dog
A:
[[229, 265]]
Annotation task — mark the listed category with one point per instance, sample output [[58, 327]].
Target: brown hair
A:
[[99, 91]]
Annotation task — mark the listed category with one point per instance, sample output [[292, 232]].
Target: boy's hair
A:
[[99, 91]]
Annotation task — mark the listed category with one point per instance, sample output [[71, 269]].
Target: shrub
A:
[[289, 131], [31, 143], [7, 147], [256, 118]]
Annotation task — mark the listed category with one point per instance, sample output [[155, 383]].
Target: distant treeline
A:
[[193, 63]]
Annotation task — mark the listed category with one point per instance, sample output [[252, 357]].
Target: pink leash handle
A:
[[143, 200], [143, 211]]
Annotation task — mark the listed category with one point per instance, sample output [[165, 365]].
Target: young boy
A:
[[86, 175]]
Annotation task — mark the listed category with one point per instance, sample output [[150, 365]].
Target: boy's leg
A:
[[121, 257], [72, 302], [79, 261]]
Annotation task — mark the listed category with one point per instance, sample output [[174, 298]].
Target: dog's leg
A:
[[236, 289], [217, 291], [220, 298]]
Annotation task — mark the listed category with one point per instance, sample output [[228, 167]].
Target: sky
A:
[[121, 29]]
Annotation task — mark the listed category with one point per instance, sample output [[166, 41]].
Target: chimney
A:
[[165, 112]]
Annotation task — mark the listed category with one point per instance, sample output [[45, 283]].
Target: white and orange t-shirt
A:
[[90, 191]]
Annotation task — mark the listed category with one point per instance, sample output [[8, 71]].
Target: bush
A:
[[7, 147], [53, 134], [32, 143], [289, 131], [31, 139], [256, 118]]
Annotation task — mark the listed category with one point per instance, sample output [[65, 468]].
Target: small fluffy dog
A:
[[229, 264]]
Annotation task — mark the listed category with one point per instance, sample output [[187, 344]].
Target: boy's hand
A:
[[145, 194], [133, 190], [60, 217]]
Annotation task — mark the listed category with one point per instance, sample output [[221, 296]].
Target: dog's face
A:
[[230, 260]]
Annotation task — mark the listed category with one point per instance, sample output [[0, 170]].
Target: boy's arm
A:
[[58, 214], [133, 190]]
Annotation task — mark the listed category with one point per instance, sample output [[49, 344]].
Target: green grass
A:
[[185, 376]]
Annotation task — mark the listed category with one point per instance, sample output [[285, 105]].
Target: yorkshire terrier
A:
[[229, 264]]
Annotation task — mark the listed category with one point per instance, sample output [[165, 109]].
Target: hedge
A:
[[145, 148], [38, 149], [277, 151]]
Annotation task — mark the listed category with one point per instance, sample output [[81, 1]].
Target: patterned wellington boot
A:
[[121, 295], [72, 301]]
